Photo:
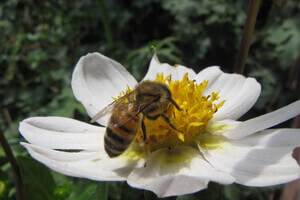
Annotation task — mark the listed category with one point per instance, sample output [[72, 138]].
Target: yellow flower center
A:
[[197, 111]]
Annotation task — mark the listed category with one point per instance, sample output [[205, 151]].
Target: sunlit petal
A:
[[261, 159], [62, 133], [176, 72], [263, 122], [240, 93], [96, 79], [179, 171], [83, 164]]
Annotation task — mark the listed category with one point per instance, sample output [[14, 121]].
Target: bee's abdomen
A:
[[119, 136]]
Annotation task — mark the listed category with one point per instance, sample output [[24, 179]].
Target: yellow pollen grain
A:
[[96, 160]]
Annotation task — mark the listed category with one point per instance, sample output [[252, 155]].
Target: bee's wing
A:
[[108, 109], [141, 107]]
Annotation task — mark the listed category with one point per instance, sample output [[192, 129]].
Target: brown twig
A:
[[246, 38], [7, 116], [15, 167], [290, 190]]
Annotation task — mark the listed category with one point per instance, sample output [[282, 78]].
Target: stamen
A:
[[196, 110], [189, 112]]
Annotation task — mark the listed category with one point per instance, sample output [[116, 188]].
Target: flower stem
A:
[[105, 21], [15, 167], [246, 38]]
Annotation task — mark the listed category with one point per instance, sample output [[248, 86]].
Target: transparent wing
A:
[[136, 111], [108, 109]]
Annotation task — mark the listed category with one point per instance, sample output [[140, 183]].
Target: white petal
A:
[[240, 93], [181, 171], [265, 121], [177, 72], [82, 164], [261, 159], [210, 73], [62, 133], [219, 127], [96, 79], [65, 156]]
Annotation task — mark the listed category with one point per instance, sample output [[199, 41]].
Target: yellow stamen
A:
[[197, 110]]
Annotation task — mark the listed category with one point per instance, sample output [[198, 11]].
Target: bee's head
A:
[[152, 96]]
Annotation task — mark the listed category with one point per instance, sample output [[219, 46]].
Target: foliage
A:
[[42, 40]]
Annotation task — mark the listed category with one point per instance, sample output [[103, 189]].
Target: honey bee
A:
[[149, 99]]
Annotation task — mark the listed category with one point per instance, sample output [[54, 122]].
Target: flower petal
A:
[[179, 171], [96, 79], [62, 133], [263, 122], [177, 72], [82, 164], [261, 159], [239, 93], [210, 73]]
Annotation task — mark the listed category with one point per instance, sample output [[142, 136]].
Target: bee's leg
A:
[[153, 117], [166, 120], [144, 130], [174, 103]]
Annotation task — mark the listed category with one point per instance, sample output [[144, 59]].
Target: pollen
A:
[[196, 111]]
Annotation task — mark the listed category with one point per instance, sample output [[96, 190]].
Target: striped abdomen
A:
[[119, 135]]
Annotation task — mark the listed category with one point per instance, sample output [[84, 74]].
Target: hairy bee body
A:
[[118, 134], [149, 99]]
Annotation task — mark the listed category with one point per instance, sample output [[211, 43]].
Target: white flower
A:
[[214, 146]]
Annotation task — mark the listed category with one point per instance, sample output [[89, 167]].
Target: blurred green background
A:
[[41, 41]]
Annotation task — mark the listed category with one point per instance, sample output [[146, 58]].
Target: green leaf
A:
[[149, 195], [232, 192], [115, 190], [5, 185], [65, 105], [87, 189], [62, 191], [37, 178], [278, 36], [286, 41], [290, 51], [187, 197], [212, 192], [102, 191], [87, 193]]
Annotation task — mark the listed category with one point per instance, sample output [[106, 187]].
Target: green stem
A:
[[246, 38], [107, 29], [15, 167]]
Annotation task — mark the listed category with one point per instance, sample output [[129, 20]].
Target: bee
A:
[[149, 99]]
